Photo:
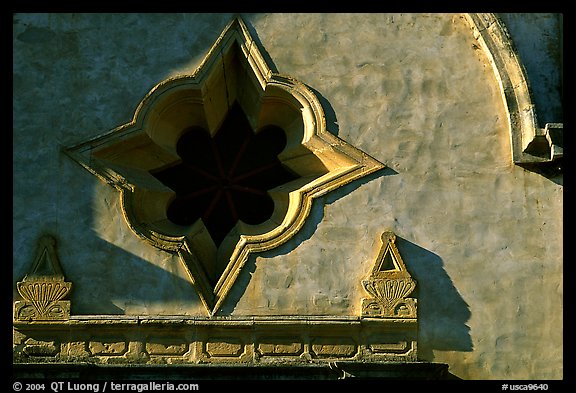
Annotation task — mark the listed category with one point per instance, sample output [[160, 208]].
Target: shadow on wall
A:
[[442, 312], [538, 40], [124, 282], [247, 21], [317, 211], [315, 217]]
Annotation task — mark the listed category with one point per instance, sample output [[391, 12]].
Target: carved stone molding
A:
[[44, 288], [309, 340]]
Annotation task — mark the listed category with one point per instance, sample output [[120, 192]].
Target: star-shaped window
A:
[[223, 163]]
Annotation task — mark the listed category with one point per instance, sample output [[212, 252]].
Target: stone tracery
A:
[[225, 179]]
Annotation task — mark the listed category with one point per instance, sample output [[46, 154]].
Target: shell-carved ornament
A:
[[43, 296], [44, 288]]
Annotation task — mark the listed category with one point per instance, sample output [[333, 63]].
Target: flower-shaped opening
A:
[[226, 178]]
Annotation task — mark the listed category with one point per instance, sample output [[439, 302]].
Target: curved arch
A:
[[530, 143]]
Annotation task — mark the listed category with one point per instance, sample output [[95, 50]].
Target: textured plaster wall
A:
[[482, 237]]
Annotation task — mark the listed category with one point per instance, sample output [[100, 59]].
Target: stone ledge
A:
[[248, 340], [83, 320]]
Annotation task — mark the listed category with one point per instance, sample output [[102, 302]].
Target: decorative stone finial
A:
[[389, 284], [44, 287]]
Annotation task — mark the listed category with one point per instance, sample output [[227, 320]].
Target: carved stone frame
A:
[[233, 70]]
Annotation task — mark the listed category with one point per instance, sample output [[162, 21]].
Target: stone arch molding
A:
[[234, 72], [532, 145]]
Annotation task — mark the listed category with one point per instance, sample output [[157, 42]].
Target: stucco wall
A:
[[482, 237]]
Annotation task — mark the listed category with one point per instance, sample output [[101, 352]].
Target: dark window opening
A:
[[225, 178]]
